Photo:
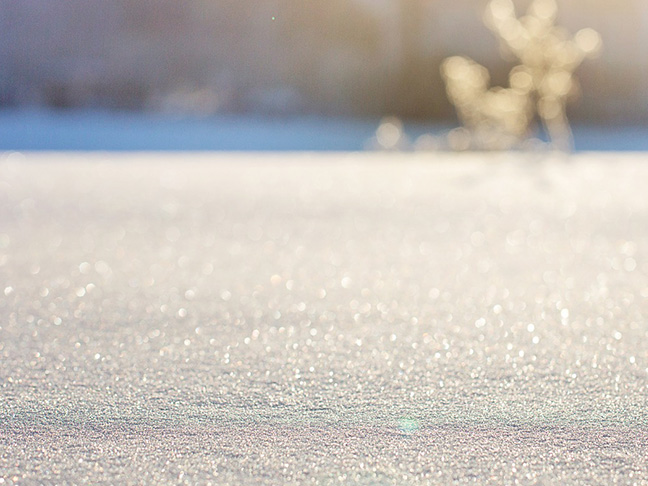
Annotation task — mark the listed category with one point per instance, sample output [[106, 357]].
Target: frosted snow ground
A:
[[354, 318]]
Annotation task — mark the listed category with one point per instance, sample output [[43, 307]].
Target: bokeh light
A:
[[541, 84]]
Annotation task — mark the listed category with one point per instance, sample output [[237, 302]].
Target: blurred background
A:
[[351, 60]]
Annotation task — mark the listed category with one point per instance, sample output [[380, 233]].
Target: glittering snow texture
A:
[[322, 319]]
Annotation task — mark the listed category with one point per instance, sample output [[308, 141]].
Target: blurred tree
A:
[[361, 57]]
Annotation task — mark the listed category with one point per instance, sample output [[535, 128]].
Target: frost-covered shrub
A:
[[540, 85]]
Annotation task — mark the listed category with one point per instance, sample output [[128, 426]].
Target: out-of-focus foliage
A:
[[344, 57], [275, 56], [542, 83]]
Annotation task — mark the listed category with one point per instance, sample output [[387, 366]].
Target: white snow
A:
[[320, 319]]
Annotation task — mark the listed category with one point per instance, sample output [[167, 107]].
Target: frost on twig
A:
[[540, 85]]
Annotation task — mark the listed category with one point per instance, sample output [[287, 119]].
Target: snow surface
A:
[[28, 130], [323, 319]]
